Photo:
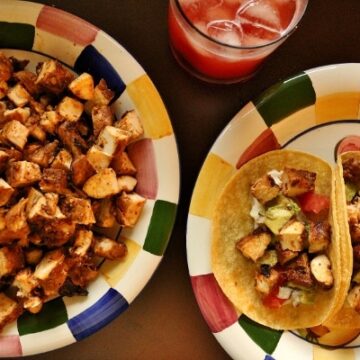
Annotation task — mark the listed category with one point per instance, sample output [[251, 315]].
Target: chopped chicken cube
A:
[[351, 170], [253, 246], [54, 180], [131, 123], [109, 249], [112, 140], [57, 232], [54, 77], [3, 89], [81, 170], [15, 133], [297, 182], [102, 96], [265, 283], [71, 138], [292, 236], [321, 270], [33, 304], [82, 243], [25, 283], [28, 80], [3, 108], [80, 274], [62, 160], [42, 155], [18, 95], [126, 183], [128, 208], [284, 256], [353, 297], [4, 158], [83, 86], [101, 116], [298, 271], [104, 212], [78, 210], [33, 255], [102, 185], [319, 236], [70, 109], [19, 114], [10, 310], [6, 192], [122, 164], [15, 218], [6, 68], [264, 189], [37, 107], [98, 158], [11, 260], [49, 121]]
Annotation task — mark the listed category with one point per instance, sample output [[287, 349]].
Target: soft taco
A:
[[275, 247], [348, 214]]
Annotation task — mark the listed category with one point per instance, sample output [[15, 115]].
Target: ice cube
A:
[[225, 31], [192, 8], [212, 3]]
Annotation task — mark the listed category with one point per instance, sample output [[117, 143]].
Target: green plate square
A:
[[16, 36]]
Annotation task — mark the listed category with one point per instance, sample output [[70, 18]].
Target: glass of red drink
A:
[[226, 41]]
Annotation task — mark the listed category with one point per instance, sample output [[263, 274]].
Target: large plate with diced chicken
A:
[[87, 204], [310, 112]]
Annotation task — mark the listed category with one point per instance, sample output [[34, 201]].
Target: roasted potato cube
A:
[[15, 133], [70, 109], [104, 212], [126, 183], [10, 310], [353, 298], [131, 123], [27, 79], [128, 208], [62, 160], [3, 89], [298, 271], [253, 246], [122, 164], [82, 243], [19, 114], [81, 170], [98, 158], [264, 189], [102, 185], [109, 249], [11, 260], [321, 270], [78, 210], [319, 236], [265, 283], [49, 121], [101, 116], [83, 86], [297, 182], [6, 192], [54, 77], [6, 68], [292, 236], [42, 155], [112, 140], [54, 180], [18, 95]]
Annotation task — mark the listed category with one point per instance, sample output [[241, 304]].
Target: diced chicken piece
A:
[[101, 116], [353, 298], [6, 192], [25, 283], [104, 211], [3, 108], [33, 255], [71, 138], [15, 218], [4, 158], [15, 133], [50, 120], [51, 272], [82, 243], [11, 260], [14, 154], [284, 256], [78, 210], [70, 109], [18, 95], [321, 270], [131, 123], [109, 249], [126, 183], [19, 114], [319, 236], [10, 310], [264, 189], [122, 164], [36, 107], [253, 246], [298, 271], [83, 86], [81, 170], [80, 274], [42, 155], [112, 140], [297, 182], [102, 96], [27, 79], [62, 160], [98, 158], [265, 283], [102, 185], [33, 304], [292, 235], [351, 170], [57, 232], [54, 77], [3, 89], [6, 68], [128, 208], [54, 180]]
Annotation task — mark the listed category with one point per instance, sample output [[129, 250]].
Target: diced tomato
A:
[[314, 203], [272, 301], [349, 143]]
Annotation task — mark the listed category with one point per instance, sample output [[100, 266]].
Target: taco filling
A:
[[290, 238]]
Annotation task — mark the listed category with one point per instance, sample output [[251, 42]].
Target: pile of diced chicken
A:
[[64, 174], [288, 247]]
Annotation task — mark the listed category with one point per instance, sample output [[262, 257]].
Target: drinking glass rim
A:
[[286, 34]]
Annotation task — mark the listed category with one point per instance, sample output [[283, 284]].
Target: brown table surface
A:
[[164, 321]]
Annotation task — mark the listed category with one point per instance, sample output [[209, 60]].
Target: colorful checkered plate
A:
[[36, 32], [314, 111]]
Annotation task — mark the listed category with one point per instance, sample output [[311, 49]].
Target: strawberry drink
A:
[[226, 41]]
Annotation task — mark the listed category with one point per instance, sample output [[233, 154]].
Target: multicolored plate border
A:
[[32, 31], [312, 111]]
